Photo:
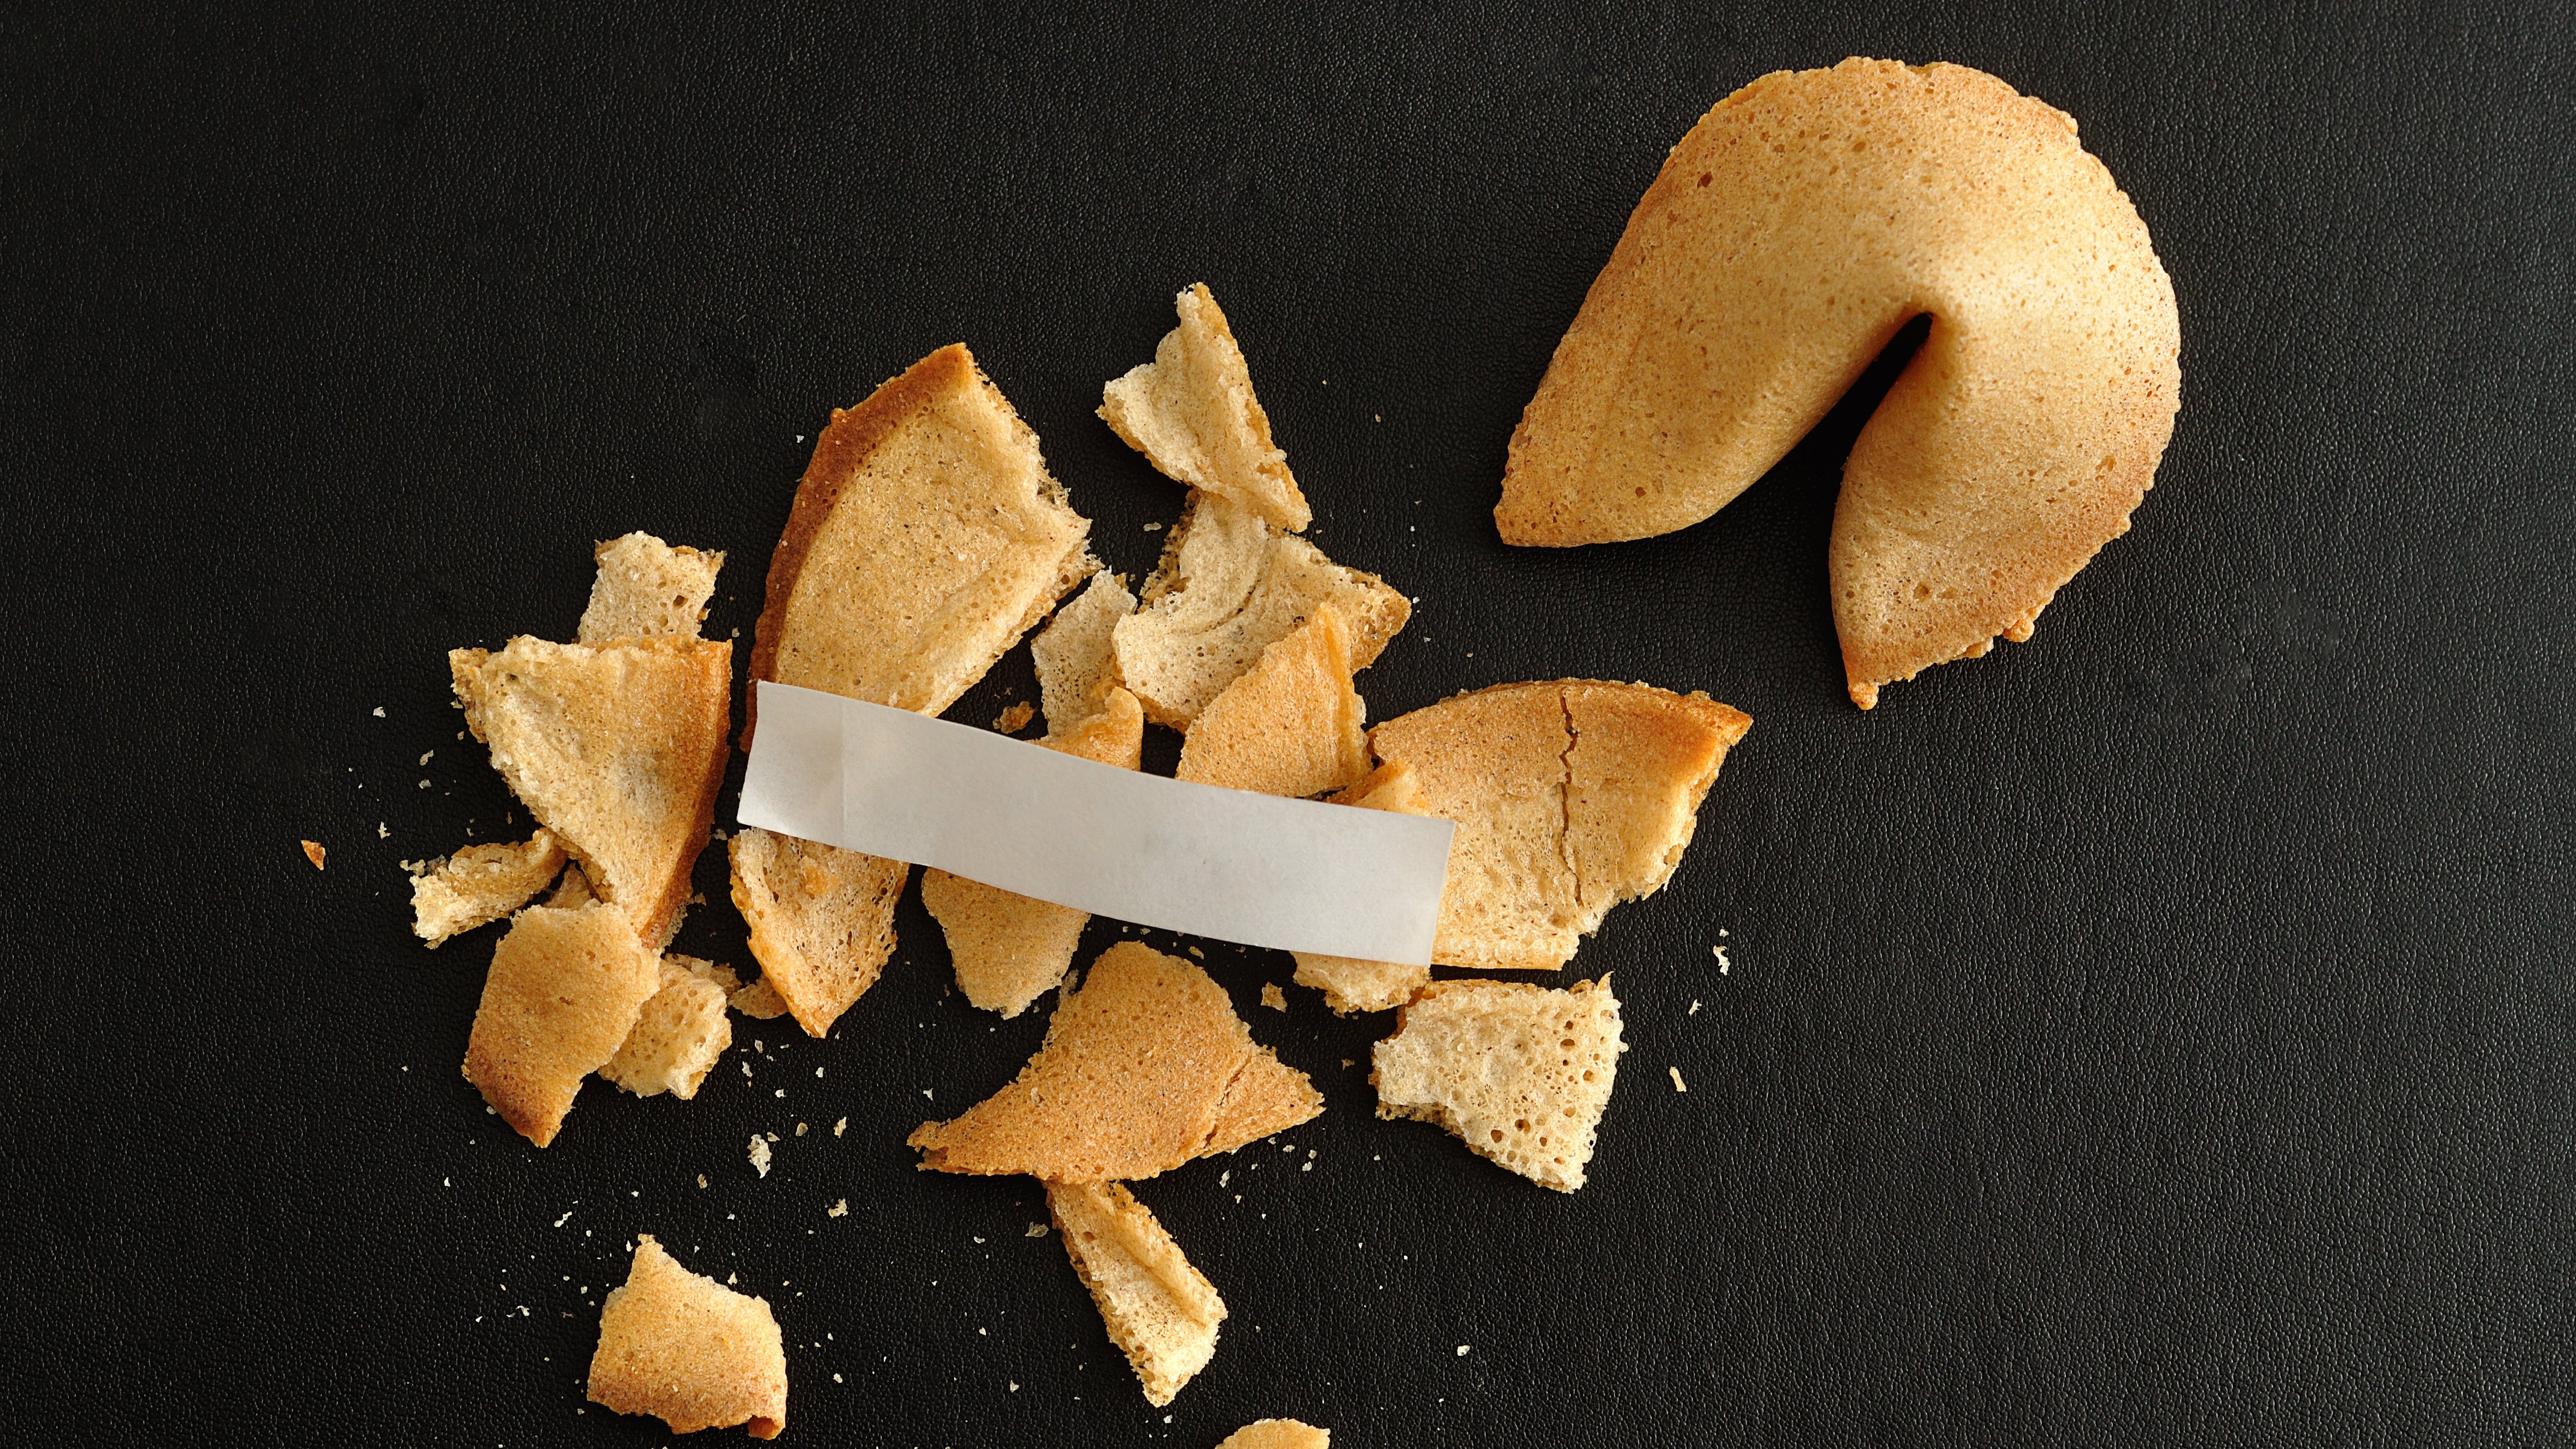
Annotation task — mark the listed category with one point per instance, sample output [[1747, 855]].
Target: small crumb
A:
[[800, 1129], [702, 1179], [760, 1154], [381, 832], [1678, 1084], [1016, 718], [1462, 1350], [836, 1378], [1223, 1177], [313, 852], [781, 1092], [1346, 1061], [818, 1071], [424, 784], [427, 755], [1153, 528], [1694, 1011], [800, 437], [380, 711], [839, 1209], [841, 1126], [1723, 965], [925, 1092], [1195, 951], [1015, 1388], [1273, 997], [1036, 1230]]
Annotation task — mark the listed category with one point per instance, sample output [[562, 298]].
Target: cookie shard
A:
[[821, 918], [680, 1033], [481, 884], [1278, 1434], [1160, 1311], [1228, 587], [1008, 950], [1266, 1096], [648, 589], [1291, 724], [565, 990], [617, 748], [1520, 1073], [1351, 983], [1131, 1082], [1192, 412], [1570, 796], [926, 538], [1789, 236], [689, 1351], [1076, 662]]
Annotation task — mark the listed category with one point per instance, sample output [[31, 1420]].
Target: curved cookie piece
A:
[[1570, 796], [1192, 412], [1230, 586], [926, 538], [1008, 950], [566, 989], [688, 1350], [1519, 1073], [481, 884], [1160, 1311], [1134, 1079], [617, 749], [1074, 657], [1799, 225]]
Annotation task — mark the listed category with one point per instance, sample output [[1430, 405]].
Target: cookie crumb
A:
[[1677, 1079], [1016, 718], [1273, 997], [760, 1154], [313, 852]]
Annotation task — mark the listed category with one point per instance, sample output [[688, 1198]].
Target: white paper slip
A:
[[1231, 865]]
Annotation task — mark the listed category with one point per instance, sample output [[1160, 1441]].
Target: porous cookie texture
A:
[[1229, 586], [1008, 950], [680, 1034], [689, 1351], [1191, 410], [821, 918], [1076, 663], [1160, 1311], [1520, 1073], [647, 589], [1570, 796], [1143, 1068], [481, 884], [565, 991], [617, 748], [926, 538], [1291, 725], [1788, 237]]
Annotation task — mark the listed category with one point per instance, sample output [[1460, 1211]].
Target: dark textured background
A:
[[2155, 1033]]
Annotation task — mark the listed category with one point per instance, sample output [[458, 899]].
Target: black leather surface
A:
[[2154, 1033]]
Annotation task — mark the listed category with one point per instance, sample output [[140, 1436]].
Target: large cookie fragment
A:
[[617, 749], [1132, 1081], [688, 1350], [1191, 410], [821, 918], [1230, 586], [565, 991], [1008, 949], [1570, 796], [926, 538], [1161, 1312], [481, 884], [1519, 1073], [1802, 223]]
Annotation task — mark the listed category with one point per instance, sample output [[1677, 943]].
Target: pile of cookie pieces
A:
[[926, 540]]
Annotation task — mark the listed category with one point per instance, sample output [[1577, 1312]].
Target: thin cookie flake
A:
[[1519, 1073], [566, 989], [1145, 1066], [1192, 412], [821, 918], [647, 589], [1291, 724], [1160, 1311], [481, 884], [689, 1351], [1076, 662], [680, 1034]]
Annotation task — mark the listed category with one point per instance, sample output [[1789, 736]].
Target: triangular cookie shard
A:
[[926, 538], [566, 989], [821, 918], [1291, 725], [1570, 796], [617, 749], [481, 883], [682, 1031], [1278, 1434], [1191, 410], [1799, 225], [1008, 949], [1519, 1073], [1131, 1081], [1074, 658], [646, 589], [1161, 1312], [688, 1350], [1230, 586], [1266, 1096]]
